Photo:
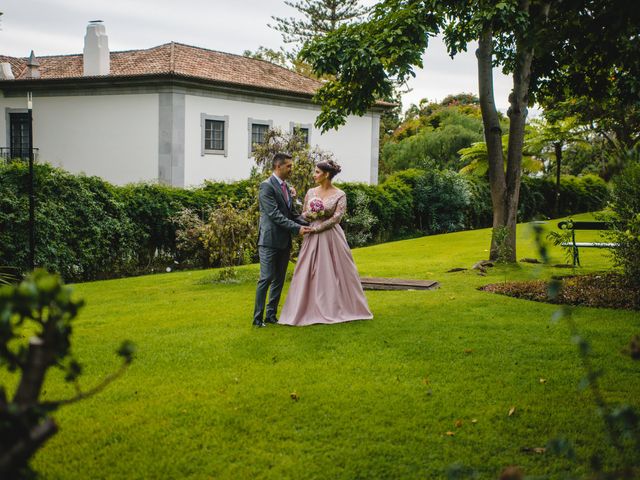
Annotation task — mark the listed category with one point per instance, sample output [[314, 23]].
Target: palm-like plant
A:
[[476, 158], [8, 276], [550, 138]]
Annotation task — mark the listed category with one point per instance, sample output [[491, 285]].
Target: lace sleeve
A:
[[341, 208]]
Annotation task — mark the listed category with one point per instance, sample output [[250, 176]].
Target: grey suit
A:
[[278, 221]]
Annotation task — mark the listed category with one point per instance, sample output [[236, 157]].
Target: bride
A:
[[326, 286]]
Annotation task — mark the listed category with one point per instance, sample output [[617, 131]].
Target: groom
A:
[[278, 221]]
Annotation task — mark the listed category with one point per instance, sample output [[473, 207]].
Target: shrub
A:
[[359, 221], [395, 208], [82, 228], [230, 235], [151, 208], [430, 147], [625, 206], [189, 245], [577, 194], [479, 212], [441, 199], [88, 229], [227, 238]]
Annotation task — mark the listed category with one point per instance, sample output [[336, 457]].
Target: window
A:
[[303, 133], [258, 133], [214, 134], [304, 130], [19, 127]]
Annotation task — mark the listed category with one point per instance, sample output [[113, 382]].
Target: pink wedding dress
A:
[[326, 286]]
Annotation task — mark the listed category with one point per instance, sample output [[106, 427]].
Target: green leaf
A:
[[127, 350]]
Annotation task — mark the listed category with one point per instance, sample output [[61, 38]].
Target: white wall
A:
[[116, 137], [351, 144], [111, 136]]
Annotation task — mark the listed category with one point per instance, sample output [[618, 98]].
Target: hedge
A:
[[89, 229]]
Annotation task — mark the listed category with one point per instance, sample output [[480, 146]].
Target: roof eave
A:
[[134, 80], [160, 79]]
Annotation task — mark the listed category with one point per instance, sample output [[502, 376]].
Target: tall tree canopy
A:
[[596, 73], [315, 18], [367, 59], [319, 17]]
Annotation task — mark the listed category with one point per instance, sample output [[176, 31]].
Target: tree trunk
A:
[[517, 114], [33, 372], [558, 150], [492, 133], [17, 456], [505, 188]]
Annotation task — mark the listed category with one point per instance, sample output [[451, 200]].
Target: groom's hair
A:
[[279, 159]]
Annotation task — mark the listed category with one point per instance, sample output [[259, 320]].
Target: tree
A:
[[390, 119], [555, 135], [268, 55], [44, 307], [431, 134], [432, 141], [366, 59], [598, 74], [319, 17]]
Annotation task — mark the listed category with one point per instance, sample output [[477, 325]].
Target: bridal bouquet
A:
[[316, 209]]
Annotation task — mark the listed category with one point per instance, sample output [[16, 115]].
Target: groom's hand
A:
[[305, 230]]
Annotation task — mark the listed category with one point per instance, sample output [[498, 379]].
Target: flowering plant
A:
[[316, 209]]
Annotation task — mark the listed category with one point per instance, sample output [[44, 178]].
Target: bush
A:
[[151, 208], [441, 200], [88, 229], [429, 148], [395, 208], [588, 193], [626, 220], [230, 235], [189, 245], [82, 229], [479, 212], [304, 158], [359, 221]]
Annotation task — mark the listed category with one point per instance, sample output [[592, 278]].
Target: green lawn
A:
[[210, 397]]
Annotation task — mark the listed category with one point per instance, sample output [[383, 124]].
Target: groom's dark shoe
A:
[[271, 320], [259, 324]]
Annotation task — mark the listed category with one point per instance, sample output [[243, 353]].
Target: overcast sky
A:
[[53, 27]]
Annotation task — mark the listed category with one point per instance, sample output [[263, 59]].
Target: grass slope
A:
[[209, 397]]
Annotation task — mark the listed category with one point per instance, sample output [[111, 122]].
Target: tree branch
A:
[[89, 393]]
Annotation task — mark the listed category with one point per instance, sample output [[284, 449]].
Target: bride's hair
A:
[[329, 166]]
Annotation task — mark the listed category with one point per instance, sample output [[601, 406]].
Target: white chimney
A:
[[5, 71], [96, 50]]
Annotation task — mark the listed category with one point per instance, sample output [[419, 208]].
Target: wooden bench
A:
[[573, 226]]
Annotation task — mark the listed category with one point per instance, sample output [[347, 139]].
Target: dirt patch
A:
[[607, 290]]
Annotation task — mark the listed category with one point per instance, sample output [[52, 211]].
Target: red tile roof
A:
[[178, 59]]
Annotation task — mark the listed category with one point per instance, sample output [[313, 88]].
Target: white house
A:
[[176, 114]]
